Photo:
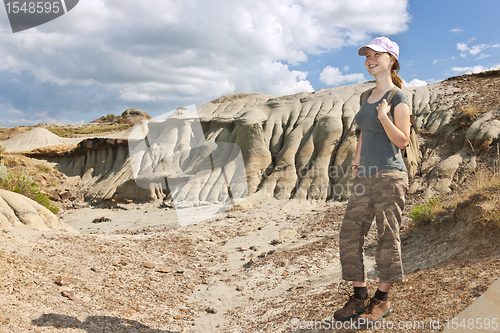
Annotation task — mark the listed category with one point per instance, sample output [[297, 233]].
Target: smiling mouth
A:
[[372, 66]]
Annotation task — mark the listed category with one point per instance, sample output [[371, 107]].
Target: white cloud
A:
[[367, 16], [483, 56], [457, 30], [15, 112], [182, 52], [332, 76], [33, 121], [469, 70], [474, 50], [441, 60], [415, 83], [273, 78], [462, 47]]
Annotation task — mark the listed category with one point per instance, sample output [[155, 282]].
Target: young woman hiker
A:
[[381, 180]]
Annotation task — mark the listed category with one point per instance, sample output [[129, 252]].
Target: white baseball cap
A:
[[381, 44]]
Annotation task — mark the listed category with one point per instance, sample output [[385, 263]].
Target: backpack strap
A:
[[392, 92], [364, 96], [413, 122], [389, 100]]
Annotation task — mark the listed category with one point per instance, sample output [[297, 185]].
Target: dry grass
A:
[[43, 168], [485, 177], [481, 193], [467, 114], [485, 184], [68, 131]]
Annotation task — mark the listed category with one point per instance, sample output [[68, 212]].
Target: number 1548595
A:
[[38, 7]]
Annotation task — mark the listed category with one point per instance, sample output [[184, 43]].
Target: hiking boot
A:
[[374, 312], [351, 309]]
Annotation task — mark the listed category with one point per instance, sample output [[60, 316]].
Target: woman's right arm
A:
[[357, 157]]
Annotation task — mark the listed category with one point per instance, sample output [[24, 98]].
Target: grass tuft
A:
[[423, 214], [467, 114], [42, 168], [486, 183]]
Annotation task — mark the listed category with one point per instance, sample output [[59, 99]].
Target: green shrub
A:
[[424, 213], [23, 184], [109, 118], [44, 200]]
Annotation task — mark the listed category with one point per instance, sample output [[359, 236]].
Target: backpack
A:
[[412, 156]]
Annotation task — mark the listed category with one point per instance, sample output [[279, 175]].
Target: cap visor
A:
[[376, 48]]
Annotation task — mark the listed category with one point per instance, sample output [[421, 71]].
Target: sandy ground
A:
[[133, 217], [265, 266]]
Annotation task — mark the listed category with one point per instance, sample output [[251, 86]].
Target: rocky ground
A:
[[266, 266]]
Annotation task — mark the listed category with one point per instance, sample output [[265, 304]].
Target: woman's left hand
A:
[[383, 108]]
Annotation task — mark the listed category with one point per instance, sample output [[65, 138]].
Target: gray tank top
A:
[[376, 148]]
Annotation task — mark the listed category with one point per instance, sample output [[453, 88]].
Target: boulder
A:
[[136, 113]]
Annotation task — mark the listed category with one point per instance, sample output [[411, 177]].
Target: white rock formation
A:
[[36, 138], [298, 146]]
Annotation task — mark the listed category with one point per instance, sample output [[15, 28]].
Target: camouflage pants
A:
[[381, 196]]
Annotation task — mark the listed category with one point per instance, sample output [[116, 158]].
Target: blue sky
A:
[[106, 56]]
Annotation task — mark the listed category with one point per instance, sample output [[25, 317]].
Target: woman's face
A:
[[378, 62]]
